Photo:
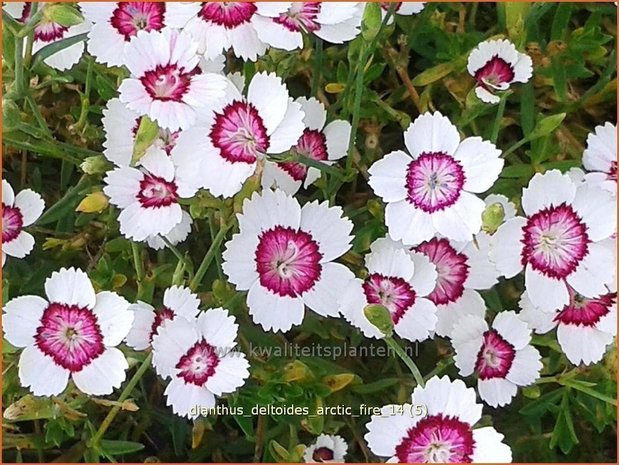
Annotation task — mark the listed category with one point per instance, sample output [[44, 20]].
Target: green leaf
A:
[[517, 171], [547, 125], [563, 434], [56, 47], [146, 135], [372, 19], [434, 74], [113, 447], [376, 386], [66, 204], [63, 14], [515, 15]]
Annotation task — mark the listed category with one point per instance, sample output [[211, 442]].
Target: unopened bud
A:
[[492, 217]]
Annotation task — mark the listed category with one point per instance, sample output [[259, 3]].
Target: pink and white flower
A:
[[318, 142], [166, 83], [221, 26], [221, 154], [446, 434], [586, 326], [463, 269], [402, 8], [74, 333], [600, 156], [431, 189], [501, 356], [495, 65], [148, 196], [116, 23], [283, 255], [177, 302], [558, 243], [327, 449], [401, 282], [48, 32], [121, 125], [200, 358], [18, 212], [334, 22]]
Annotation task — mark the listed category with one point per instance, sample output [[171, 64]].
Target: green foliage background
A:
[[382, 81]]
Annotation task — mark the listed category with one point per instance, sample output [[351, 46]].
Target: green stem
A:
[[515, 147], [316, 75], [32, 23], [391, 342], [19, 66], [107, 421], [497, 121], [356, 107], [30, 39], [177, 253], [139, 267], [208, 258]]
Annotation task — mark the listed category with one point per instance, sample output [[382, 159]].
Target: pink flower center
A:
[[198, 364], [130, 17], [167, 82], [156, 192], [12, 223], [161, 316], [227, 14], [386, 5], [25, 13], [495, 73], [395, 294], [495, 357], [322, 454], [434, 182], [582, 311], [437, 439], [301, 16], [70, 335], [48, 31], [452, 268], [312, 144], [239, 133], [288, 261], [555, 241]]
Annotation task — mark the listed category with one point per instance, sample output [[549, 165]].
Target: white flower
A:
[[327, 449], [199, 357], [73, 333], [318, 142], [495, 65], [431, 189], [585, 326], [402, 8], [334, 22], [223, 153], [558, 242], [399, 281], [177, 302], [177, 234], [48, 32], [220, 26], [121, 126], [463, 268], [501, 357], [166, 83], [445, 434], [600, 156], [18, 212], [147, 196], [283, 254], [116, 23], [594, 178]]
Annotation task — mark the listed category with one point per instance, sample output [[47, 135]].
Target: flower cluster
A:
[[219, 136]]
